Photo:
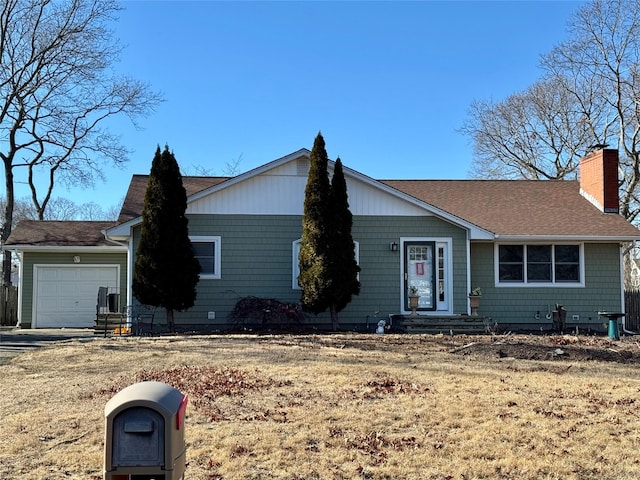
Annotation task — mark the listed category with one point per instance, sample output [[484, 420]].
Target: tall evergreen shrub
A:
[[343, 268], [314, 246], [165, 272], [328, 270]]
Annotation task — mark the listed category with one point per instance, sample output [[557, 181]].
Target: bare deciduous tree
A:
[[231, 169], [61, 208], [56, 90], [589, 95], [537, 134], [604, 53], [22, 209]]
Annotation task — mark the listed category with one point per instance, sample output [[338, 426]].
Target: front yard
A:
[[340, 406]]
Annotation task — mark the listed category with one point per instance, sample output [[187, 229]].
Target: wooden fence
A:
[[8, 305], [632, 309]]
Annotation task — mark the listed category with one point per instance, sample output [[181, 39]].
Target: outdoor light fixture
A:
[[393, 246]]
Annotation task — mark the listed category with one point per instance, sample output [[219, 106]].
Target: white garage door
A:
[[66, 296]]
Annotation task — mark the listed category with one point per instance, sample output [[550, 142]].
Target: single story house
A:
[[528, 245]]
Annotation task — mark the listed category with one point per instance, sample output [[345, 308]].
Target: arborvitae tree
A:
[[328, 269], [314, 279], [165, 272], [343, 269]]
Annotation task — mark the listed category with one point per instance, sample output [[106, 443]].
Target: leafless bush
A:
[[254, 313]]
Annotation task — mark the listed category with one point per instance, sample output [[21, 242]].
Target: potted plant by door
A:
[[474, 300], [413, 299]]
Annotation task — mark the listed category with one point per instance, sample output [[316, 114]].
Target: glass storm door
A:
[[427, 268], [420, 272]]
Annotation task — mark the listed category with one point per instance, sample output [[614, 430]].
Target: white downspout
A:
[[20, 289], [129, 245], [468, 269]]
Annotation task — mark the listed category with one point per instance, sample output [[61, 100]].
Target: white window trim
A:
[[448, 268], [295, 265], [217, 245], [524, 283]]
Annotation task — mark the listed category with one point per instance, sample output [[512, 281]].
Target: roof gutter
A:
[[565, 238], [111, 240], [64, 248], [123, 231]]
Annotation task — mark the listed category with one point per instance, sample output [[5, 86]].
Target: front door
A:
[[426, 268]]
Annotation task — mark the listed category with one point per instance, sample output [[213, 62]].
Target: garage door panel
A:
[[69, 274], [49, 274], [48, 289], [66, 296], [87, 290], [104, 276]]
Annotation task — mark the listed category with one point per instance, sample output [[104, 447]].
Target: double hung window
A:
[[295, 265], [539, 264], [206, 249]]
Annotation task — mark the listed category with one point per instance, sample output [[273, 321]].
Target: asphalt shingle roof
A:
[[519, 207], [54, 233], [503, 207], [134, 200]]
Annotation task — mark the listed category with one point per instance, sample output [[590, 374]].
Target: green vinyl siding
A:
[[516, 307], [30, 259], [256, 260], [380, 275]]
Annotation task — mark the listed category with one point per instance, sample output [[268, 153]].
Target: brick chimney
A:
[[599, 179]]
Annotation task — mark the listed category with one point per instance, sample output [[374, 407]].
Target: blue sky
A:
[[387, 83]]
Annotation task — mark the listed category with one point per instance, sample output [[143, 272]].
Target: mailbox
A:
[[144, 433]]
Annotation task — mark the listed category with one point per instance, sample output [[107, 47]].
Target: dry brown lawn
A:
[[340, 406]]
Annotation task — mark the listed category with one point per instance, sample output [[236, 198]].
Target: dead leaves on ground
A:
[[373, 443], [389, 385], [204, 384]]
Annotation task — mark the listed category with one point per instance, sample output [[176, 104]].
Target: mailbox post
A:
[[144, 433]]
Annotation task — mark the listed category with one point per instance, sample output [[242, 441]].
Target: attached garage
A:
[[65, 295], [62, 265]]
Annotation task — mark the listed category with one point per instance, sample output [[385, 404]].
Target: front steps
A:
[[111, 324], [446, 324]]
